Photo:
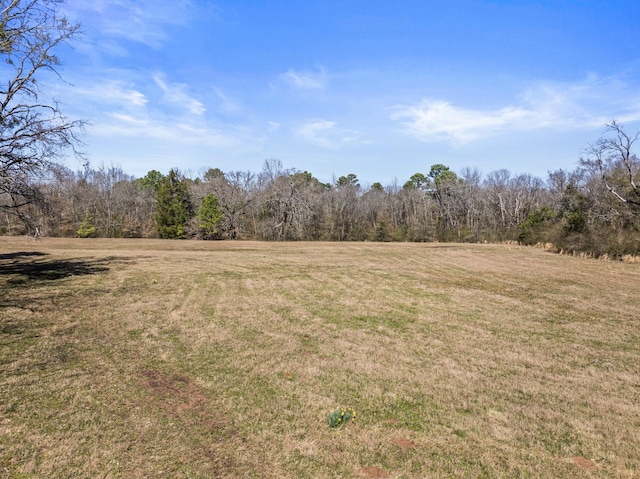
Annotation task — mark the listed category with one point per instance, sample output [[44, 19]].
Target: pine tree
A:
[[173, 207], [209, 216], [87, 228]]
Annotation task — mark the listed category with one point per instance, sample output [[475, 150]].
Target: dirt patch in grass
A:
[[583, 463], [374, 472], [174, 393], [403, 443]]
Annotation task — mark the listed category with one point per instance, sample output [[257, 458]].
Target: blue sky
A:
[[382, 89]]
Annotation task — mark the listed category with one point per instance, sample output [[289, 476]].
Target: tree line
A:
[[594, 208]]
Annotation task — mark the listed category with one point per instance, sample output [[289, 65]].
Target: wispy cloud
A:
[[150, 107], [142, 21], [305, 80], [585, 104], [435, 120], [113, 93], [226, 104], [544, 105], [326, 134], [176, 94], [119, 124], [273, 126]]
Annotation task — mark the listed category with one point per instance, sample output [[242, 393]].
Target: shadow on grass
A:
[[33, 266], [20, 270], [20, 254]]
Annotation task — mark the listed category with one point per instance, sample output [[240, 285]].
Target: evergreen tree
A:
[[173, 207], [87, 228], [209, 216], [151, 181]]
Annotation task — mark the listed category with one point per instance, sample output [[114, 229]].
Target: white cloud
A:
[[156, 109], [433, 120], [142, 21], [128, 125], [305, 80], [587, 104], [325, 134], [113, 92], [314, 131], [226, 105], [177, 95]]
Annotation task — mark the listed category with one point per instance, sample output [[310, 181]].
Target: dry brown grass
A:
[[140, 358], [630, 259]]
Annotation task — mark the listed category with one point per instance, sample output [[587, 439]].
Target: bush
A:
[[87, 228], [534, 229]]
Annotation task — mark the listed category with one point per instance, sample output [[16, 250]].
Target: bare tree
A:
[[235, 191], [471, 199], [341, 210], [612, 159], [415, 210], [34, 133]]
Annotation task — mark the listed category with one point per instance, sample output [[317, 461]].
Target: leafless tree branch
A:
[[34, 133]]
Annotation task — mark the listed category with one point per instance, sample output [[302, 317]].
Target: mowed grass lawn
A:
[[145, 358]]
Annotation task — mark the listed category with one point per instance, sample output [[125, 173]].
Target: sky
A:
[[381, 89]]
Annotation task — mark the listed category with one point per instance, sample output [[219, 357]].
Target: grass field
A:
[[144, 358]]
